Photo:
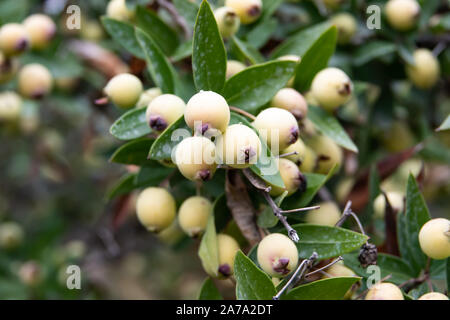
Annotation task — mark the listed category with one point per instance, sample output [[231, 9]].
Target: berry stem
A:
[[324, 267], [244, 113]]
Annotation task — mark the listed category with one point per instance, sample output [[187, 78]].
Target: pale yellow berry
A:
[[293, 58], [228, 247], [172, 234], [11, 235], [293, 179], [396, 200], [14, 39], [343, 189], [331, 87], [193, 215], [384, 291], [426, 70], [300, 149], [433, 296], [309, 160], [277, 255], [117, 9], [339, 270], [147, 96], [207, 110], [234, 67], [91, 30], [124, 90], [327, 215], [402, 14], [247, 10], [164, 110], [277, 127], [10, 105], [35, 81], [346, 26], [195, 158], [41, 30], [291, 100], [434, 238], [239, 147], [227, 20], [155, 208], [328, 153], [30, 273]]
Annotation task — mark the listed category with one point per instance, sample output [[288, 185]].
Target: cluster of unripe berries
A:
[[34, 80]]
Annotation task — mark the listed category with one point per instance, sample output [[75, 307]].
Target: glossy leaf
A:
[[372, 50], [325, 289], [246, 51], [208, 251], [187, 9], [133, 152], [209, 58], [330, 126], [163, 147], [256, 85], [130, 125], [123, 34], [209, 291], [251, 282]]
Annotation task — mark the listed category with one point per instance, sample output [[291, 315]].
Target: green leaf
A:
[[209, 291], [389, 265], [325, 289], [374, 191], [208, 251], [428, 8], [222, 214], [327, 241], [267, 219], [251, 282], [167, 141], [183, 51], [265, 167], [269, 7], [187, 9], [445, 125], [299, 199], [123, 34], [409, 225], [245, 51], [256, 85], [315, 59], [157, 64], [259, 35], [152, 174], [123, 186], [131, 125], [133, 152], [330, 126], [372, 50], [406, 53], [209, 58], [299, 43], [165, 37]]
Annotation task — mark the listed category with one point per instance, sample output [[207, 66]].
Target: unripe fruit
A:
[[384, 291], [277, 255], [195, 158], [395, 200], [425, 71], [8, 68], [193, 215], [35, 81], [292, 177], [163, 111], [10, 105], [398, 137], [346, 26], [292, 101], [14, 39], [239, 147], [11, 235], [247, 10], [147, 96], [294, 58], [117, 9], [328, 153], [228, 247], [227, 21], [331, 88], [332, 4], [155, 208], [124, 90], [172, 234], [41, 30], [91, 30], [433, 296], [299, 147], [434, 238], [339, 270], [327, 215], [30, 273], [278, 127], [234, 67], [207, 110], [402, 14], [309, 160], [343, 189]]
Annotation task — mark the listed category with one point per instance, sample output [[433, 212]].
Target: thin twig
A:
[[325, 267], [348, 212], [284, 155], [245, 113], [439, 48], [298, 274], [176, 17]]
